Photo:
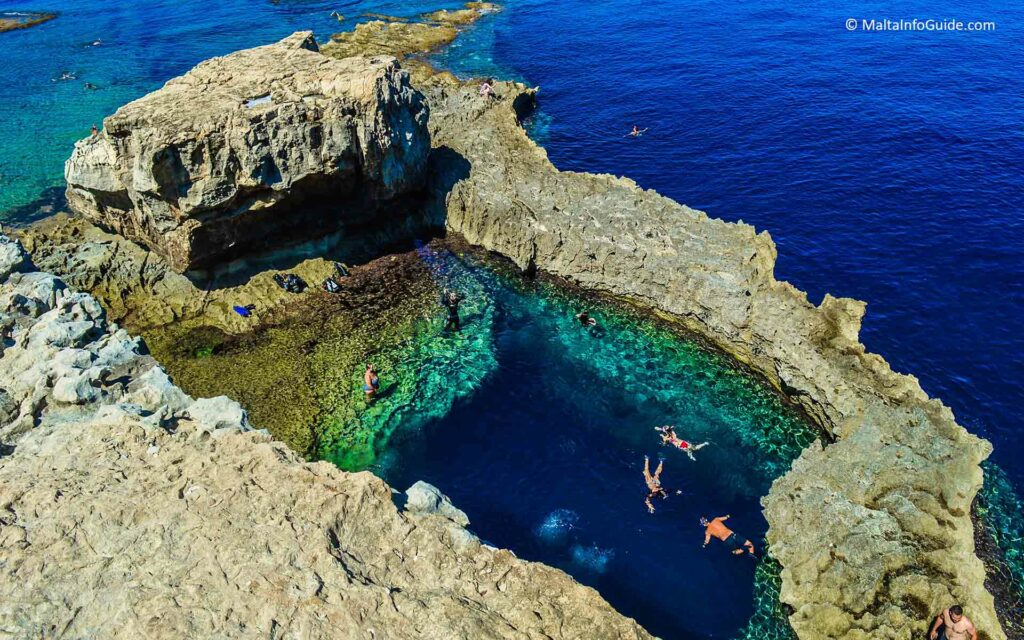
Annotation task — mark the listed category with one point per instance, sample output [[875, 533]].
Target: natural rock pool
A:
[[537, 428]]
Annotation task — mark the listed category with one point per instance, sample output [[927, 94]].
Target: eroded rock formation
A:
[[129, 509], [874, 532], [252, 148]]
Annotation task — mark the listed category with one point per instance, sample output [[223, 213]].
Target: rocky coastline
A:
[[873, 529], [12, 21], [131, 508]]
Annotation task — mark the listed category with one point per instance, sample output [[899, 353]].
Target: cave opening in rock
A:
[[537, 428]]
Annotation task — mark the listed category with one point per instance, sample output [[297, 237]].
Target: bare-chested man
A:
[[654, 488], [716, 529], [955, 625]]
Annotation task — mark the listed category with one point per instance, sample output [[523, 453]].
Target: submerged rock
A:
[[251, 148], [129, 509], [873, 532], [424, 498]]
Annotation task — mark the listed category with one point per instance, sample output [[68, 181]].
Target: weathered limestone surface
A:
[[251, 148], [128, 509], [873, 532]]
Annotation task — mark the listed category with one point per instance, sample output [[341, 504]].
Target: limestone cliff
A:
[[129, 509], [270, 142], [873, 532]]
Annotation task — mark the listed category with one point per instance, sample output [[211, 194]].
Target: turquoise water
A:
[[124, 50], [999, 508], [538, 428], [766, 111]]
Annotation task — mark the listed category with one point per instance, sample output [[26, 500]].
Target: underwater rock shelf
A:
[[872, 532]]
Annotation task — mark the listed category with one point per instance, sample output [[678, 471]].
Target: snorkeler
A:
[[654, 488], [716, 529], [451, 300], [669, 437], [371, 382], [585, 319]]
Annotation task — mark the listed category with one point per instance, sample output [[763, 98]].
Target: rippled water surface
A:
[[887, 167], [538, 429]]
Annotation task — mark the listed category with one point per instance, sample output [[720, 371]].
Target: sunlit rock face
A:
[[266, 144]]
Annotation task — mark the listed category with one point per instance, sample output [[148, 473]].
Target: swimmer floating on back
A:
[[654, 488], [669, 437]]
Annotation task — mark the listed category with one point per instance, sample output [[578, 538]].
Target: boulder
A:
[[12, 257], [424, 498], [264, 145]]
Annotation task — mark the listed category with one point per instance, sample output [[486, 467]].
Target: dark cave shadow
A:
[[401, 226]]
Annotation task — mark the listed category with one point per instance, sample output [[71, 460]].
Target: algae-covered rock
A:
[[874, 532], [251, 148]]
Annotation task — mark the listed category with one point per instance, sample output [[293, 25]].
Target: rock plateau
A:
[[266, 143], [872, 526]]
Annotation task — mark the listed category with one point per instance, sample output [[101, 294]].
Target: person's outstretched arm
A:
[[971, 630], [934, 633], [657, 472], [707, 537], [650, 507]]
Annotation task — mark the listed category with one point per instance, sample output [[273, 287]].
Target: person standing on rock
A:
[[955, 625], [718, 530], [371, 382]]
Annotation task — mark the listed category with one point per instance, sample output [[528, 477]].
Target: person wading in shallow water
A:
[[654, 488], [451, 301], [370, 383], [716, 529], [955, 625]]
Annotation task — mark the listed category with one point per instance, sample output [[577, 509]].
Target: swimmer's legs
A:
[[695, 447]]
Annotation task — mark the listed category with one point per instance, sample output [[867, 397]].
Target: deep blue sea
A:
[[887, 166]]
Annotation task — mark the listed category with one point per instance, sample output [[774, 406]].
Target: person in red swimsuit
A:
[[669, 437]]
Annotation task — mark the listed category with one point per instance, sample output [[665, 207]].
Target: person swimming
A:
[[669, 437], [371, 383], [585, 319], [654, 488], [637, 131], [715, 528]]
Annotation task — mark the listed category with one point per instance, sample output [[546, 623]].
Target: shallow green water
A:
[[999, 509], [537, 428]]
